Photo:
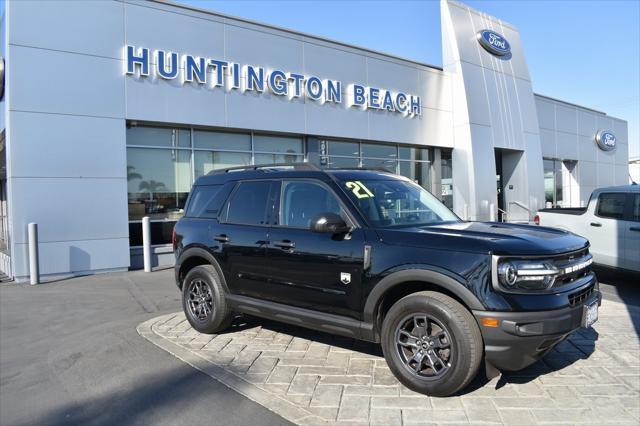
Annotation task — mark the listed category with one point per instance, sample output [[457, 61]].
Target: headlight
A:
[[525, 274]]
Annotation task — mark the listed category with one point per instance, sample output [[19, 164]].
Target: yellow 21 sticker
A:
[[358, 189]]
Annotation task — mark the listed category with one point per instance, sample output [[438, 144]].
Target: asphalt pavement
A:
[[70, 354]]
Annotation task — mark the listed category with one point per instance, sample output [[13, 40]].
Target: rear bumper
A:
[[521, 338]]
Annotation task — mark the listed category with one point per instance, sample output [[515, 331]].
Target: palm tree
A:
[[152, 186], [131, 174]]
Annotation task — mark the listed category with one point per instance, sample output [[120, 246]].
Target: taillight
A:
[[174, 240], [536, 219]]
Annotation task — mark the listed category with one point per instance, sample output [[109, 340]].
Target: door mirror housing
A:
[[329, 223]]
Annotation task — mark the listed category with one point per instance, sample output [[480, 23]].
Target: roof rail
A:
[[267, 167], [371, 169]]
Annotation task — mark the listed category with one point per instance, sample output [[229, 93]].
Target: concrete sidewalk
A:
[[315, 378], [70, 354]]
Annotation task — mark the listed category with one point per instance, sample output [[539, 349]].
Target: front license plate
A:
[[590, 315]]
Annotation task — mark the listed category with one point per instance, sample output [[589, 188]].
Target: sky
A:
[[583, 52]]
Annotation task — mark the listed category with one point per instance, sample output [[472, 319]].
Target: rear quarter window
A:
[[205, 201]]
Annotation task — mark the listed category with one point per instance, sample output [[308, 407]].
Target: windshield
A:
[[395, 202]]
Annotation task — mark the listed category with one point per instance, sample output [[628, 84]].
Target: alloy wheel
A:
[[200, 300], [424, 346]]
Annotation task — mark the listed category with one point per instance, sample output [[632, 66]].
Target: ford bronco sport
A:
[[371, 255]]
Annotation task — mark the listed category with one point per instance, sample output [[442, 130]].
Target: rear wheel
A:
[[432, 343], [203, 300]]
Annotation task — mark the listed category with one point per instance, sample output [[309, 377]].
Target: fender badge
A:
[[345, 278]]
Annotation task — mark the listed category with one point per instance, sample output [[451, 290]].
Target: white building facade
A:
[[111, 109]]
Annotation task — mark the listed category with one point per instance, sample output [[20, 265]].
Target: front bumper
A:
[[522, 338]]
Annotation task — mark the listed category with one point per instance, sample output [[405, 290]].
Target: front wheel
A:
[[203, 300], [432, 343]]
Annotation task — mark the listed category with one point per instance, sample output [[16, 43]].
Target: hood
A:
[[486, 237]]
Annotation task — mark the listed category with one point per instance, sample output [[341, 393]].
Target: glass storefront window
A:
[[379, 150], [158, 136], [221, 140], [158, 182], [348, 149], [446, 176], [416, 154], [417, 172], [206, 161], [374, 163], [278, 144], [277, 158], [342, 162]]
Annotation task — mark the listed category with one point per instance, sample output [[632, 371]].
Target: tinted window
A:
[[203, 202], [635, 211], [301, 201], [249, 203], [611, 205]]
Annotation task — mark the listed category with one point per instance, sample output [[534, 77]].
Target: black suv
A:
[[371, 255]]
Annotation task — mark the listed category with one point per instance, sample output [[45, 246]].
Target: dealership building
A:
[[111, 109]]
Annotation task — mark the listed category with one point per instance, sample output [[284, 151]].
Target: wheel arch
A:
[[196, 256], [402, 283]]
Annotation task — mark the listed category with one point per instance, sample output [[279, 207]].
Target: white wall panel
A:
[[587, 123], [566, 146], [566, 119], [264, 49], [548, 143], [588, 173], [546, 114], [335, 64], [54, 145], [70, 209], [67, 83], [336, 120], [147, 25], [89, 27], [587, 149], [171, 101], [265, 111], [69, 257]]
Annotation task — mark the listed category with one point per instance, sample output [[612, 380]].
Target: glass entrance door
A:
[[553, 183]]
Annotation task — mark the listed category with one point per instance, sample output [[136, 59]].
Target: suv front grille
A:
[[573, 266], [579, 297]]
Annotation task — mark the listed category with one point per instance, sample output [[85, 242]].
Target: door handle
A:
[[635, 229], [222, 238], [286, 244], [596, 224]]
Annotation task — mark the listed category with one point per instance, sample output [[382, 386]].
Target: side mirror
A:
[[329, 223]]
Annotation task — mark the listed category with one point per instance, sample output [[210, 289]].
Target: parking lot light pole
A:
[[146, 243], [34, 270]]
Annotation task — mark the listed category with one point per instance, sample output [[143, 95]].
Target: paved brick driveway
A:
[[315, 378]]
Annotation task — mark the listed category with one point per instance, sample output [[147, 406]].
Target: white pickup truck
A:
[[611, 223]]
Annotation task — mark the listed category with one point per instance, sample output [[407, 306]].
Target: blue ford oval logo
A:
[[605, 140], [494, 43]]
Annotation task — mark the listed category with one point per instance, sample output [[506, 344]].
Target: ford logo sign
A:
[[494, 43], [606, 140]]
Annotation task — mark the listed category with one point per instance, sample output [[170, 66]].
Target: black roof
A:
[[290, 170]]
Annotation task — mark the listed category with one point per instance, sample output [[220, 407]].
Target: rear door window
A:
[[611, 205], [248, 204]]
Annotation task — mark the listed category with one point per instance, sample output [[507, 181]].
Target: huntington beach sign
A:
[[230, 76]]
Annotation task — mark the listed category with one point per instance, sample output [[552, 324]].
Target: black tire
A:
[[423, 364], [203, 300]]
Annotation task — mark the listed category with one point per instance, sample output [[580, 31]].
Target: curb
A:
[[275, 403]]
